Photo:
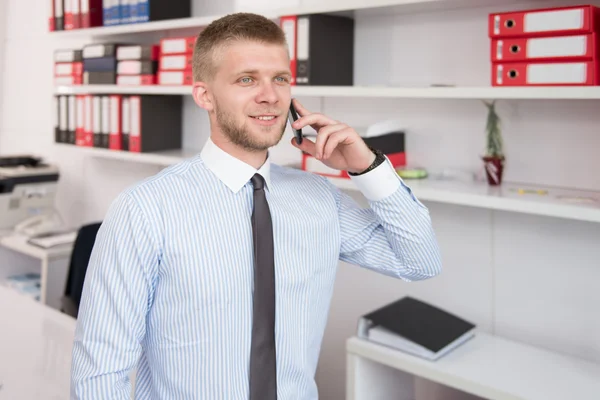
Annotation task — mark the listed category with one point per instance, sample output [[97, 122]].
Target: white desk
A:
[[17, 256], [486, 367], [35, 349]]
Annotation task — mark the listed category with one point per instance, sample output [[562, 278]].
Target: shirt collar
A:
[[231, 171]]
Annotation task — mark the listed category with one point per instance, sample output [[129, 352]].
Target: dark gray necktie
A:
[[263, 385]]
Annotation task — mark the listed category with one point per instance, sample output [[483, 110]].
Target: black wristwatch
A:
[[379, 159]]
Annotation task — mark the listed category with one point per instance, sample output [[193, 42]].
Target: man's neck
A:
[[255, 159]]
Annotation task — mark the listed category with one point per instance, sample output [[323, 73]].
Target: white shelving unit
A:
[[556, 202], [508, 93], [487, 366]]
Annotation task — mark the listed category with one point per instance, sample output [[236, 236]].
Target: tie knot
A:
[[258, 181]]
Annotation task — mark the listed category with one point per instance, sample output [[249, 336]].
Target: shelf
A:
[[162, 158], [495, 368], [348, 7], [540, 93], [19, 244], [557, 202], [119, 89]]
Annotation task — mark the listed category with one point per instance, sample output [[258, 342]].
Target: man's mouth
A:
[[264, 117]]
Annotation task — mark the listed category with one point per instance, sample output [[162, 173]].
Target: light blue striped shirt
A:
[[168, 290]]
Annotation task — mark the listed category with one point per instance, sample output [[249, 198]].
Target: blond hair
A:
[[232, 27]]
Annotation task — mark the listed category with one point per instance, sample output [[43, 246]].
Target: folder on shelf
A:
[[175, 77], [76, 13], [324, 50], [51, 22], [88, 117], [157, 10], [115, 138], [72, 14], [68, 69], [68, 55], [124, 12], [583, 73], [551, 48], [136, 80], [91, 13], [108, 12], [415, 327], [125, 122], [64, 119], [100, 50], [97, 120], [288, 24], [99, 78], [136, 67], [80, 125], [100, 64], [59, 16], [180, 45], [155, 123], [67, 15], [56, 117], [176, 62], [133, 11], [139, 52], [72, 119], [545, 22], [105, 125]]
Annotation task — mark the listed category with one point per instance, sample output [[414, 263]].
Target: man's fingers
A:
[[315, 120], [323, 134], [307, 146], [334, 140]]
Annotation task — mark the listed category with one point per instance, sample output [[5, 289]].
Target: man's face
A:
[[251, 93]]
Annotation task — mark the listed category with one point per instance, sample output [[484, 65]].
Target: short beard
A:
[[238, 134]]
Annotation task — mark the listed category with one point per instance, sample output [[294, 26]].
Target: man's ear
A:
[[202, 96]]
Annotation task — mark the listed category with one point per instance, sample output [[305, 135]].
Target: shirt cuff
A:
[[379, 183]]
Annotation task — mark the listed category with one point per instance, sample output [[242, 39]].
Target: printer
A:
[[27, 195]]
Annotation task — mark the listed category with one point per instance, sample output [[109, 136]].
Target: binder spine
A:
[[72, 122], [133, 11], [51, 22], [105, 128], [97, 120], [115, 138], [59, 20], [302, 51], [288, 25], [124, 12], [125, 123], [143, 11], [88, 126], [80, 125]]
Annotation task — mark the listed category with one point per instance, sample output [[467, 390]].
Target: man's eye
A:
[[246, 80], [281, 79]]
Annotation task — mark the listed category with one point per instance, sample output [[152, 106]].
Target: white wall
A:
[[529, 278]]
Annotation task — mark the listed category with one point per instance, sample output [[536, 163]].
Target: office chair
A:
[[80, 257]]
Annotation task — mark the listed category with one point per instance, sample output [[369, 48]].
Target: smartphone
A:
[[293, 116]]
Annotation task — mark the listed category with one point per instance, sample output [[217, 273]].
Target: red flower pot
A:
[[493, 169]]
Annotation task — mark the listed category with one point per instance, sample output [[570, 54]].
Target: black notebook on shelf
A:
[[415, 327]]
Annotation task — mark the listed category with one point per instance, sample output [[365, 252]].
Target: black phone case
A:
[[293, 116]]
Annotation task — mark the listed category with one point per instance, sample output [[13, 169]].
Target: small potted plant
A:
[[494, 157]]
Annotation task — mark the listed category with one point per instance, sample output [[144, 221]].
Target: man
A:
[[213, 278]]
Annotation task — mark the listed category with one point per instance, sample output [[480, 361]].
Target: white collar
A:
[[231, 171]]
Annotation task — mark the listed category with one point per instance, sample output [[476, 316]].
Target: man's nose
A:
[[267, 93]]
